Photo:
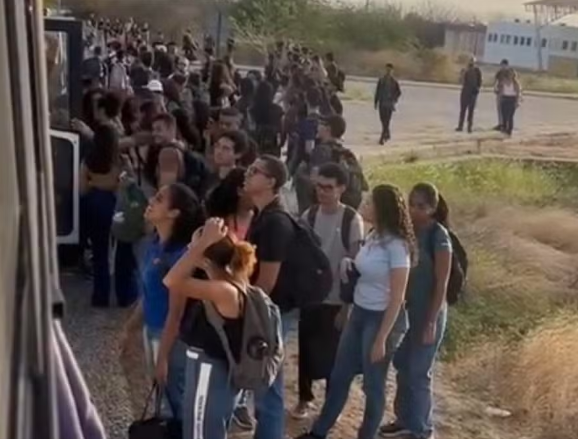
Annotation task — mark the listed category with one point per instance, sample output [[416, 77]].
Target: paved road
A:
[[429, 114]]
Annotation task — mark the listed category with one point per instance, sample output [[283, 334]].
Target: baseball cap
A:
[[155, 86]]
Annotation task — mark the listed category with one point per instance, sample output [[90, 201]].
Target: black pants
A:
[[508, 104], [385, 115], [318, 342], [467, 105]]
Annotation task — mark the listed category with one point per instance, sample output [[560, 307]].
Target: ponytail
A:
[[244, 259], [442, 212]]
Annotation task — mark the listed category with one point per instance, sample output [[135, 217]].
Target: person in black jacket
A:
[[387, 94], [471, 79]]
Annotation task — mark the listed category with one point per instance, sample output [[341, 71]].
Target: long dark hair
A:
[[105, 151], [436, 201], [224, 199], [191, 215], [392, 216], [262, 103], [88, 106]]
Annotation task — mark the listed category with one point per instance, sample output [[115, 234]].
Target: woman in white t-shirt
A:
[[377, 321]]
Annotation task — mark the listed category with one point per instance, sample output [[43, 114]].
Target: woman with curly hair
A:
[[377, 321], [427, 312]]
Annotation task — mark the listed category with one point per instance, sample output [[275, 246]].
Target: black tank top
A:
[[197, 332]]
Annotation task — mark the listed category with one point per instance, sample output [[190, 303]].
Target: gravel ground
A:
[[95, 337]]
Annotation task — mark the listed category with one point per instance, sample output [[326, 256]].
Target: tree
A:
[[263, 22]]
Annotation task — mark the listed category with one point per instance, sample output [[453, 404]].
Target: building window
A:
[[544, 42], [516, 40], [564, 45], [490, 37], [529, 41], [508, 39], [502, 39], [574, 46]]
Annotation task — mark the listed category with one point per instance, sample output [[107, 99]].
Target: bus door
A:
[[64, 54]]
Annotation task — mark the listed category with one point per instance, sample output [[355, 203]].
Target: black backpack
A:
[[459, 269], [348, 216], [353, 195], [196, 173], [306, 277]]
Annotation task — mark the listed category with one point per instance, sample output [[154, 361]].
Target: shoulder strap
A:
[[312, 214], [348, 216], [431, 241]]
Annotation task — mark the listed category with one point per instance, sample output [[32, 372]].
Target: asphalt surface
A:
[[430, 114]]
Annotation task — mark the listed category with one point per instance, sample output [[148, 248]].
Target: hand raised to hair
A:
[[213, 231]]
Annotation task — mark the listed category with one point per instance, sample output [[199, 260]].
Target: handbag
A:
[[347, 289], [155, 427]]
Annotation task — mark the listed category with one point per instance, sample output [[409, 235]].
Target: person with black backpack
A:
[[437, 279], [340, 229], [292, 268]]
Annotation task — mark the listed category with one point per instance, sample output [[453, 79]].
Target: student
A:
[[267, 117], [341, 231], [175, 213], [510, 95], [377, 321], [427, 312], [99, 178], [500, 75], [387, 95], [471, 80], [227, 152], [209, 397], [272, 232], [230, 201]]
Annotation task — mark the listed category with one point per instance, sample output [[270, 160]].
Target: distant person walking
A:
[[510, 93], [499, 78], [471, 80], [387, 94]]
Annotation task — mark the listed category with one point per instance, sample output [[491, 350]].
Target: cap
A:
[[155, 86]]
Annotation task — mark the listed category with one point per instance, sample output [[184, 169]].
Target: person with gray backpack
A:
[[234, 341]]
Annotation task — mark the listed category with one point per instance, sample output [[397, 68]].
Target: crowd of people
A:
[[188, 166]]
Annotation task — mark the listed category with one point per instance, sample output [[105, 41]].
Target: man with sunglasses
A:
[[272, 233]]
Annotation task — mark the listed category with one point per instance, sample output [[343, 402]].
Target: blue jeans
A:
[[269, 406], [414, 362], [354, 357], [99, 205], [209, 398], [175, 385]]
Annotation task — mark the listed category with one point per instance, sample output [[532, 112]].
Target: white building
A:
[[522, 44]]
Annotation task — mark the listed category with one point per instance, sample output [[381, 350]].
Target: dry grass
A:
[[507, 344]]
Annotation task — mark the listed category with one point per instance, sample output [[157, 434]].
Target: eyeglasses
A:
[[254, 170], [325, 187]]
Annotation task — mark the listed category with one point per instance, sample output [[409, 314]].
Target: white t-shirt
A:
[[375, 260]]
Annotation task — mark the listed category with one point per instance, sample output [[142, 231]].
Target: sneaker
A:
[[302, 410], [243, 418], [393, 431]]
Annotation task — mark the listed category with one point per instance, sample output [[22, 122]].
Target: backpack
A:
[[353, 195], [306, 275], [459, 269], [262, 349], [348, 216], [128, 223]]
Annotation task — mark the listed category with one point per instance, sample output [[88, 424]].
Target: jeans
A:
[[509, 104], [175, 385], [209, 397], [99, 205], [468, 102], [354, 357], [269, 406], [414, 363], [385, 115]]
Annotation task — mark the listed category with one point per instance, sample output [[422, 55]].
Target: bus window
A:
[[58, 81]]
